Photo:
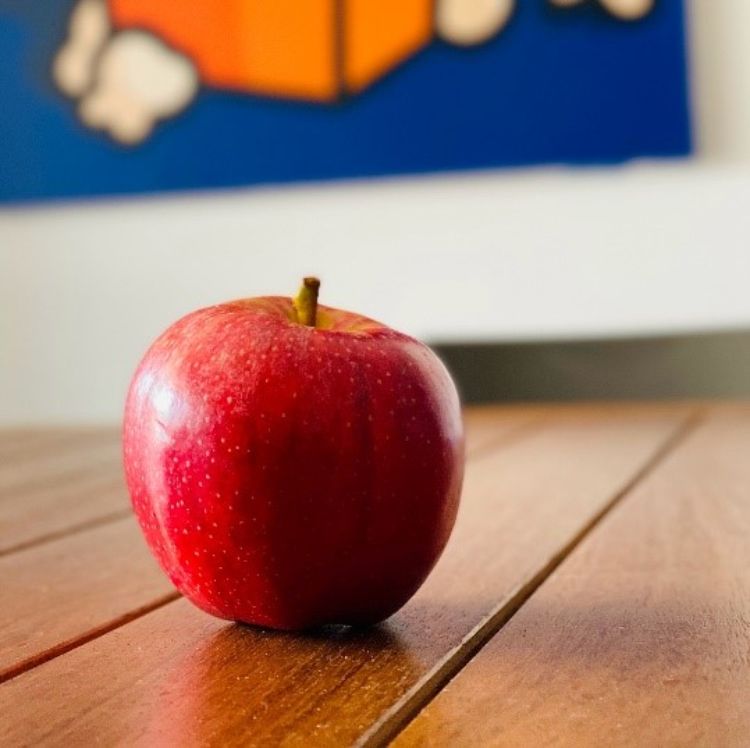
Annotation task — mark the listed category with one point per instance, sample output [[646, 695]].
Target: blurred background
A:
[[618, 268]]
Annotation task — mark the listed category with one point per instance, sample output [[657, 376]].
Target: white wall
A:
[[542, 253]]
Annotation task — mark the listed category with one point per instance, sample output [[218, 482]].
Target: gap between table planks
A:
[[236, 685], [97, 580], [642, 636]]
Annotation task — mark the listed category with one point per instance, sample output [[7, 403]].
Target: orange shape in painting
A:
[[379, 34], [281, 47], [309, 49]]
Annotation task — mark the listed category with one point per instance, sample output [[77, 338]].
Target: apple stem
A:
[[306, 302]]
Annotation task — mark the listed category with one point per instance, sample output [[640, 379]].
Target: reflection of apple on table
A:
[[131, 63]]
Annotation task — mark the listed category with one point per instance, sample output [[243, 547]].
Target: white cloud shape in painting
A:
[[89, 29], [138, 81], [467, 22]]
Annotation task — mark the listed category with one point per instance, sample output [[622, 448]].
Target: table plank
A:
[[22, 441], [642, 636], [53, 482], [57, 594], [488, 425], [18, 441], [60, 486], [55, 457], [95, 580], [224, 684]]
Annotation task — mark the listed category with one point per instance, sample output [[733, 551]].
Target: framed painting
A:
[[105, 97]]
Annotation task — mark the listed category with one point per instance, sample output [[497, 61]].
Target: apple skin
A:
[[290, 476]]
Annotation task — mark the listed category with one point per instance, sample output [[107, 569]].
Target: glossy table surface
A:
[[596, 591]]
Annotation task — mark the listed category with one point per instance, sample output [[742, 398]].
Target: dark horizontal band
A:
[[689, 366]]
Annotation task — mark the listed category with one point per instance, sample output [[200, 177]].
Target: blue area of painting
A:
[[573, 86]]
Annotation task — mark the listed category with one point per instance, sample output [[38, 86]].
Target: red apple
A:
[[293, 465]]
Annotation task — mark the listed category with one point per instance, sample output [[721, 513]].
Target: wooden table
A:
[[596, 592]]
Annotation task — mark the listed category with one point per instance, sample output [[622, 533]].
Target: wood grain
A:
[[62, 592], [95, 580], [19, 442], [178, 677], [489, 425], [642, 636], [53, 482], [56, 485], [58, 462]]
